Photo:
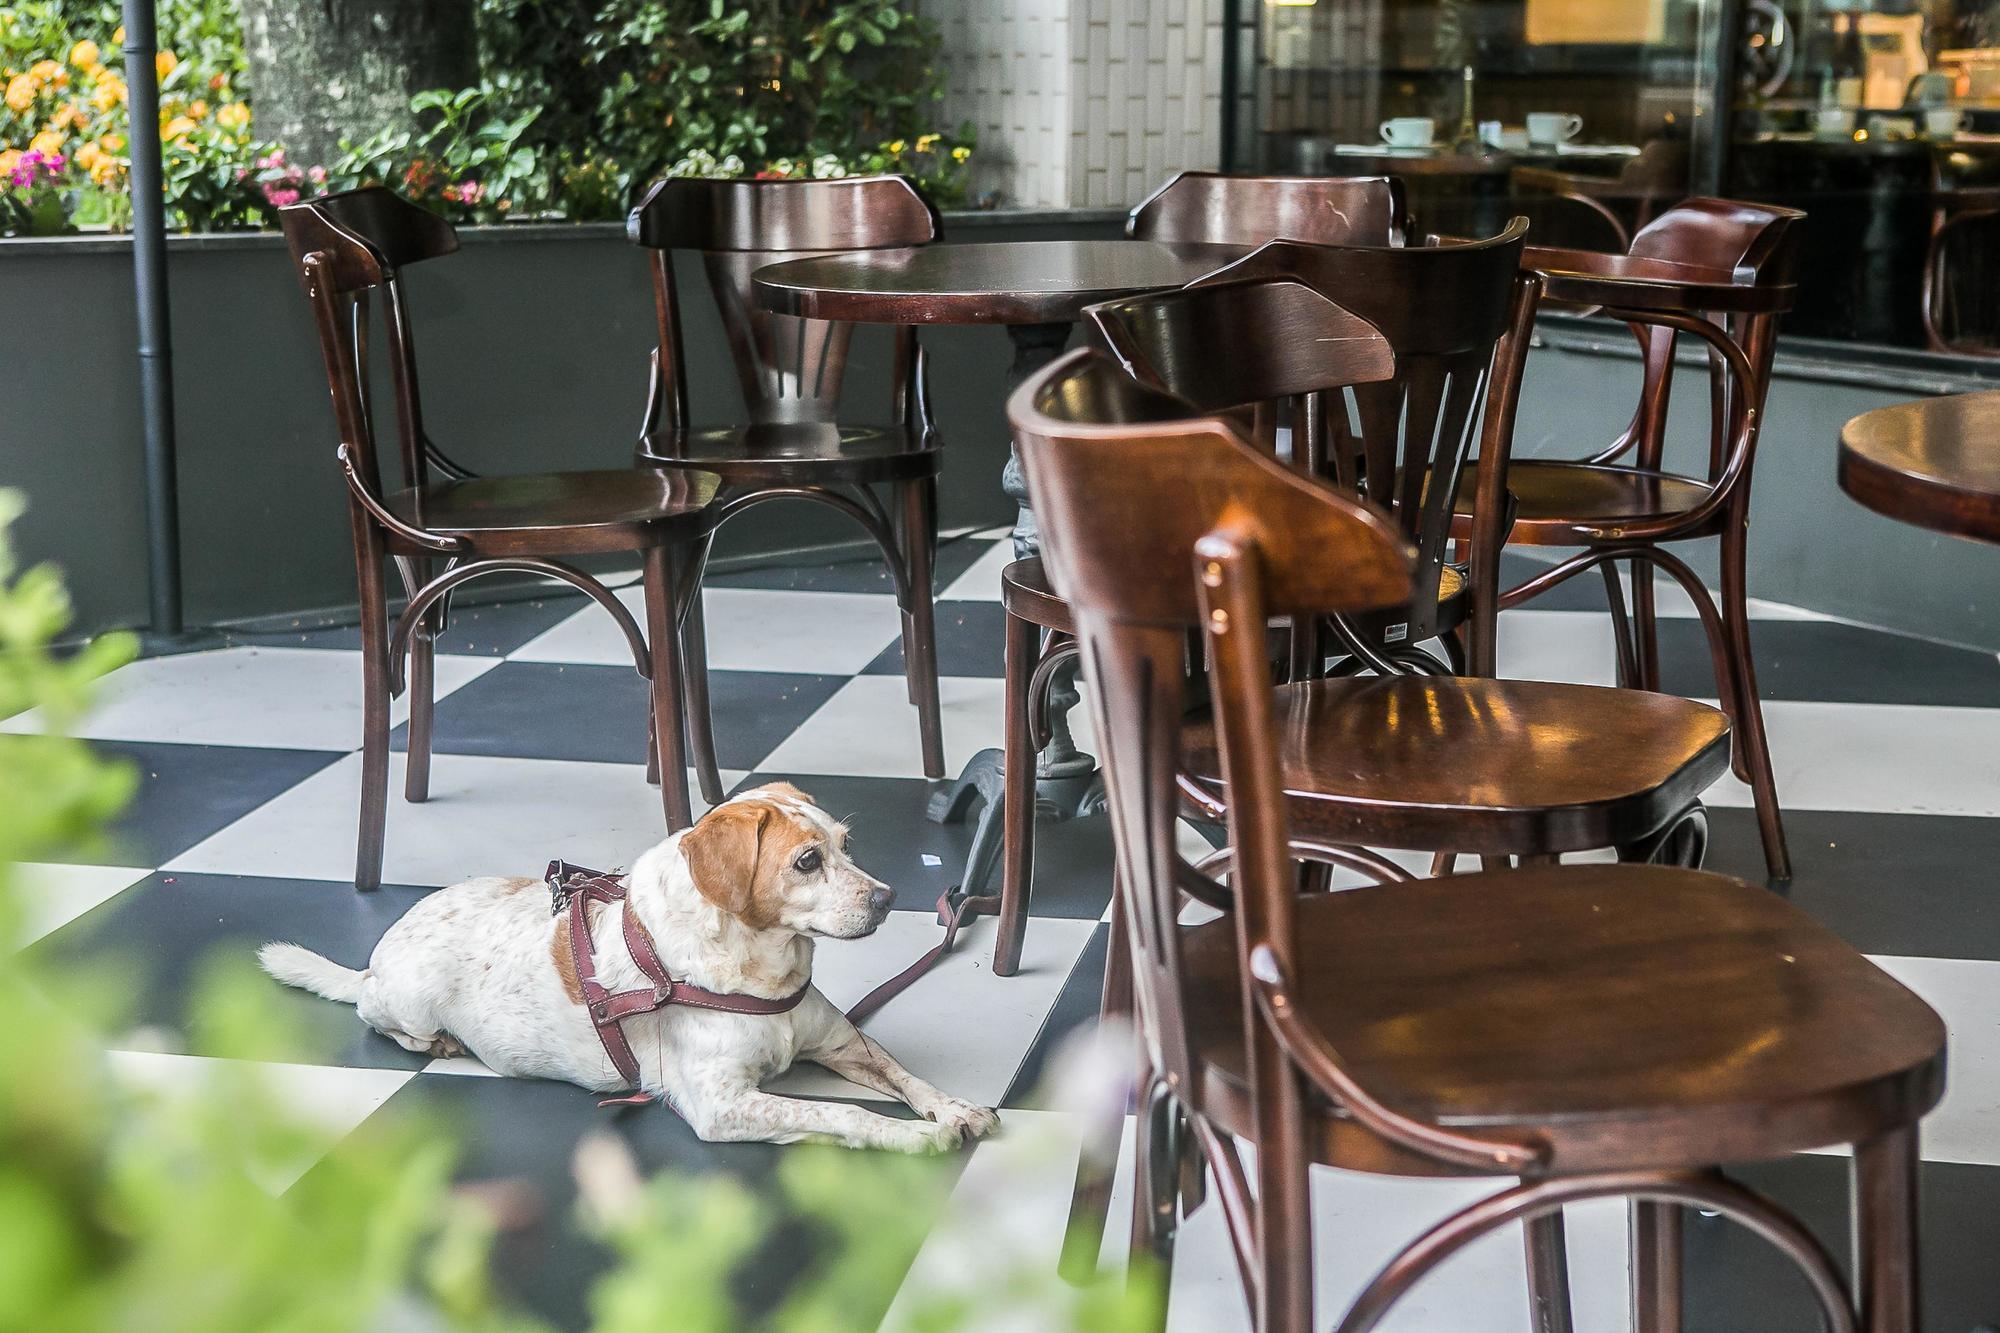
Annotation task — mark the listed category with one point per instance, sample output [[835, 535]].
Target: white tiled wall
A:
[[1083, 103]]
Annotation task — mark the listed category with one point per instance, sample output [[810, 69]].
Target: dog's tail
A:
[[301, 967]]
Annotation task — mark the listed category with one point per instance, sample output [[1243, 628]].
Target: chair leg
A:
[[917, 501], [1885, 1232], [1656, 1267], [662, 633], [1645, 627], [652, 747], [374, 725], [700, 723], [1097, 1168], [1155, 1178], [1621, 627], [423, 693], [1753, 750], [1548, 1274], [1017, 838]]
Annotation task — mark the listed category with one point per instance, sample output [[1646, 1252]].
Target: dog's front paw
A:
[[971, 1122], [923, 1137]]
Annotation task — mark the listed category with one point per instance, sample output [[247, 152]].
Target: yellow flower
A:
[[233, 116], [9, 159], [105, 172], [197, 110], [924, 142], [48, 143], [88, 156], [86, 55], [44, 71], [109, 93], [896, 147], [165, 63], [118, 37], [113, 143], [179, 127], [20, 93], [960, 153]]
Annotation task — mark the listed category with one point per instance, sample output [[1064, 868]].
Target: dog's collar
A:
[[572, 889]]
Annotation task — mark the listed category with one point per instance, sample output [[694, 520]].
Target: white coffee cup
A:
[[1551, 127], [1833, 120], [1943, 122], [1408, 132]]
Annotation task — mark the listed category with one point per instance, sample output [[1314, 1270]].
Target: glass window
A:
[[1880, 120]]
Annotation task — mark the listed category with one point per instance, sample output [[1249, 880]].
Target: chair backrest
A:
[[1457, 315], [790, 368], [1759, 244], [1224, 345], [348, 246], [1212, 208], [1126, 480]]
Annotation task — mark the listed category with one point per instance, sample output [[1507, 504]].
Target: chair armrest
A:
[[380, 512]]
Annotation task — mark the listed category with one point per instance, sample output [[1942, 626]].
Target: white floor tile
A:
[[1881, 758], [1965, 1127], [749, 629], [485, 817], [52, 896], [327, 1099], [981, 580], [1007, 1216], [868, 729], [1571, 646], [286, 698], [959, 1027], [468, 1066]]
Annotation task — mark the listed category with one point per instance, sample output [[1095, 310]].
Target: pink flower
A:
[[281, 198], [317, 175]]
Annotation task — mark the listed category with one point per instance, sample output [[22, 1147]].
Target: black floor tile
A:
[[548, 710], [1075, 1010], [1801, 659], [525, 1133], [491, 629], [1739, 1284], [159, 934], [1889, 884], [971, 639], [955, 555], [187, 792]]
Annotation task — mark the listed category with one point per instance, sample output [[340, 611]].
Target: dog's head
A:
[[778, 862]]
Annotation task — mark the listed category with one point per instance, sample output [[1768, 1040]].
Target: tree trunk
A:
[[326, 70]]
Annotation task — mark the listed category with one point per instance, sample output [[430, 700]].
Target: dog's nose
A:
[[879, 900]]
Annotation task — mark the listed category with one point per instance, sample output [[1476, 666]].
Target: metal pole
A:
[[1232, 54], [156, 355]]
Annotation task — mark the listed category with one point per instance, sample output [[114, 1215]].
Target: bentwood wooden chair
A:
[[1720, 273], [791, 370], [1603, 1031], [1195, 207], [1457, 315], [445, 526]]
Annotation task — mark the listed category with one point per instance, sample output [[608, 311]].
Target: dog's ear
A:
[[721, 852], [786, 789]]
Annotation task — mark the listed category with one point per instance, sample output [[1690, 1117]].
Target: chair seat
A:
[[561, 513], [1025, 592], [1630, 1016], [1495, 767], [776, 453], [1560, 503]]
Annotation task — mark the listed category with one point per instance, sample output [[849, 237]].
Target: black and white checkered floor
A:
[[1888, 754]]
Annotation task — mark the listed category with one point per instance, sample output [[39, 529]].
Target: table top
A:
[[1934, 463], [985, 282]]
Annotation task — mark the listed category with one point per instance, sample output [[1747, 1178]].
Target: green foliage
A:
[[468, 160], [128, 1208]]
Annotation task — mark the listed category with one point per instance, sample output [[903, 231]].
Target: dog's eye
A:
[[807, 861]]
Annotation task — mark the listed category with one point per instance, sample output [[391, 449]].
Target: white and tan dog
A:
[[733, 905]]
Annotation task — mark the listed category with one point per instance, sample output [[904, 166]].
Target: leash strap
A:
[[953, 916]]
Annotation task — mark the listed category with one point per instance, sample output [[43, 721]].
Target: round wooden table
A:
[[1037, 289], [1934, 463]]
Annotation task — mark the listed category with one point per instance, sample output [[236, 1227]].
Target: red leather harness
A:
[[574, 889]]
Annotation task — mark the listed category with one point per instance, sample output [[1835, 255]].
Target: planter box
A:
[[533, 342]]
